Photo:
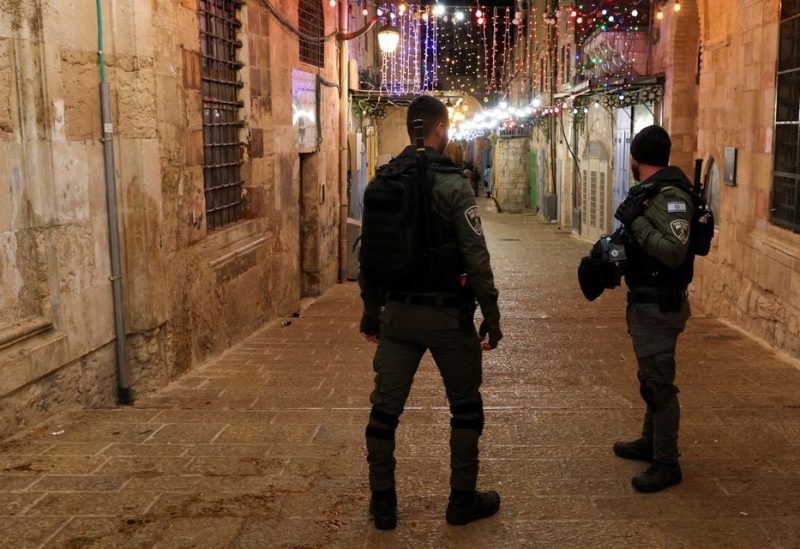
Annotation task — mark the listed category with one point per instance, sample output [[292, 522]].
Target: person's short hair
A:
[[430, 110]]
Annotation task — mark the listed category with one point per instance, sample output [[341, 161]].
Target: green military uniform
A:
[[660, 267], [411, 323]]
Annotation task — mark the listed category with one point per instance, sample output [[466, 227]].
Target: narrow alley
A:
[[264, 447]]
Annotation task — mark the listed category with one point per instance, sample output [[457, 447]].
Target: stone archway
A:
[[681, 92]]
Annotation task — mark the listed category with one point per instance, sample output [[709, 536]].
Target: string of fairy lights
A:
[[481, 50], [465, 49]]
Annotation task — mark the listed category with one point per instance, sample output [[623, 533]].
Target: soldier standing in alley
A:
[[657, 216], [427, 307]]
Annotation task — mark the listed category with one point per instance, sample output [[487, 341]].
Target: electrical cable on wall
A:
[[289, 27]]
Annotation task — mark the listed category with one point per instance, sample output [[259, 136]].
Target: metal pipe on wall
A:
[[343, 160], [124, 392]]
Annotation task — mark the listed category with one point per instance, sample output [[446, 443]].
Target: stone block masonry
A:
[[189, 293], [511, 179]]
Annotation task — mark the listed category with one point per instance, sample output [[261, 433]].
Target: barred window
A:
[[219, 48], [312, 25], [786, 180]]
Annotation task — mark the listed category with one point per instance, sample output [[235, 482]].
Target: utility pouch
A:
[[670, 298]]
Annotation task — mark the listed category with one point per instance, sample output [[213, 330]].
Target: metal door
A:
[[622, 148]]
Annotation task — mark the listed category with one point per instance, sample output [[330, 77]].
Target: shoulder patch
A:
[[680, 228], [474, 220], [677, 206]]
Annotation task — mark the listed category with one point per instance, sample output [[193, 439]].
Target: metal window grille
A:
[[222, 167], [786, 180], [312, 24]]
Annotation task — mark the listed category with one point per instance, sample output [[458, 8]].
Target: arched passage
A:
[[682, 66]]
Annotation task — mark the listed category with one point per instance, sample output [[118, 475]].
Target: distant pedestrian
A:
[[473, 176], [420, 275], [657, 217], [488, 180]]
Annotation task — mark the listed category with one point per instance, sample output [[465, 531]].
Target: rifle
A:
[[424, 194]]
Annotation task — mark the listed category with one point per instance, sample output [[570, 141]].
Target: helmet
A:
[[603, 267], [591, 277]]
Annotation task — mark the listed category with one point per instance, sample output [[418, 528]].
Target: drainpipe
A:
[[343, 104], [124, 392]]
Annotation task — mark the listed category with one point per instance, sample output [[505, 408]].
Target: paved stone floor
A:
[[263, 447]]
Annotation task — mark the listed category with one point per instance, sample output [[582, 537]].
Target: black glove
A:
[[630, 209], [493, 329], [370, 323]]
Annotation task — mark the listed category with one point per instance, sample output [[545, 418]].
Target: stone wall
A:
[[752, 276], [511, 184], [189, 293]]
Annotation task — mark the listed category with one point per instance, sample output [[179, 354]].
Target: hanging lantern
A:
[[388, 38]]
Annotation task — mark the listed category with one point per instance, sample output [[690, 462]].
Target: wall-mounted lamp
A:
[[388, 38]]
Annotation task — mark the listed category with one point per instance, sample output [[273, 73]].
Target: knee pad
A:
[[382, 424], [657, 395], [467, 416]]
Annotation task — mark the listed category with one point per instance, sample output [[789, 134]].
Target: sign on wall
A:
[[304, 110], [730, 166]]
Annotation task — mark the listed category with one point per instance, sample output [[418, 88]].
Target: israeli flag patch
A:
[[676, 207]]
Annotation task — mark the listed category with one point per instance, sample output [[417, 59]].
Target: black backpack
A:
[[702, 224], [402, 244], [390, 228]]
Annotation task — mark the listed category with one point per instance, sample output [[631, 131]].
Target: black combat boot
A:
[[383, 508], [638, 450], [466, 506], [657, 477]]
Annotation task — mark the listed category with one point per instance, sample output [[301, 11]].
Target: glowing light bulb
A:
[[333, 3], [610, 18], [635, 13], [379, 12], [579, 20], [364, 12], [401, 9], [478, 13], [660, 15], [677, 6], [604, 12], [459, 16], [481, 20], [439, 10], [573, 14]]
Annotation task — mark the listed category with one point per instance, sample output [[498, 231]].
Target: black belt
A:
[[427, 300], [638, 297], [642, 298]]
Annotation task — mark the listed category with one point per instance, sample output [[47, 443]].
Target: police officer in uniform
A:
[[406, 324], [657, 217]]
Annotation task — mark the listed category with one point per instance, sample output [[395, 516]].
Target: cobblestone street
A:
[[264, 446]]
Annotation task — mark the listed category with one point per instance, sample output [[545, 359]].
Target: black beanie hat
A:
[[651, 146]]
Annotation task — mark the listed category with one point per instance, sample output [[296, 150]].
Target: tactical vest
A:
[[643, 270]]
